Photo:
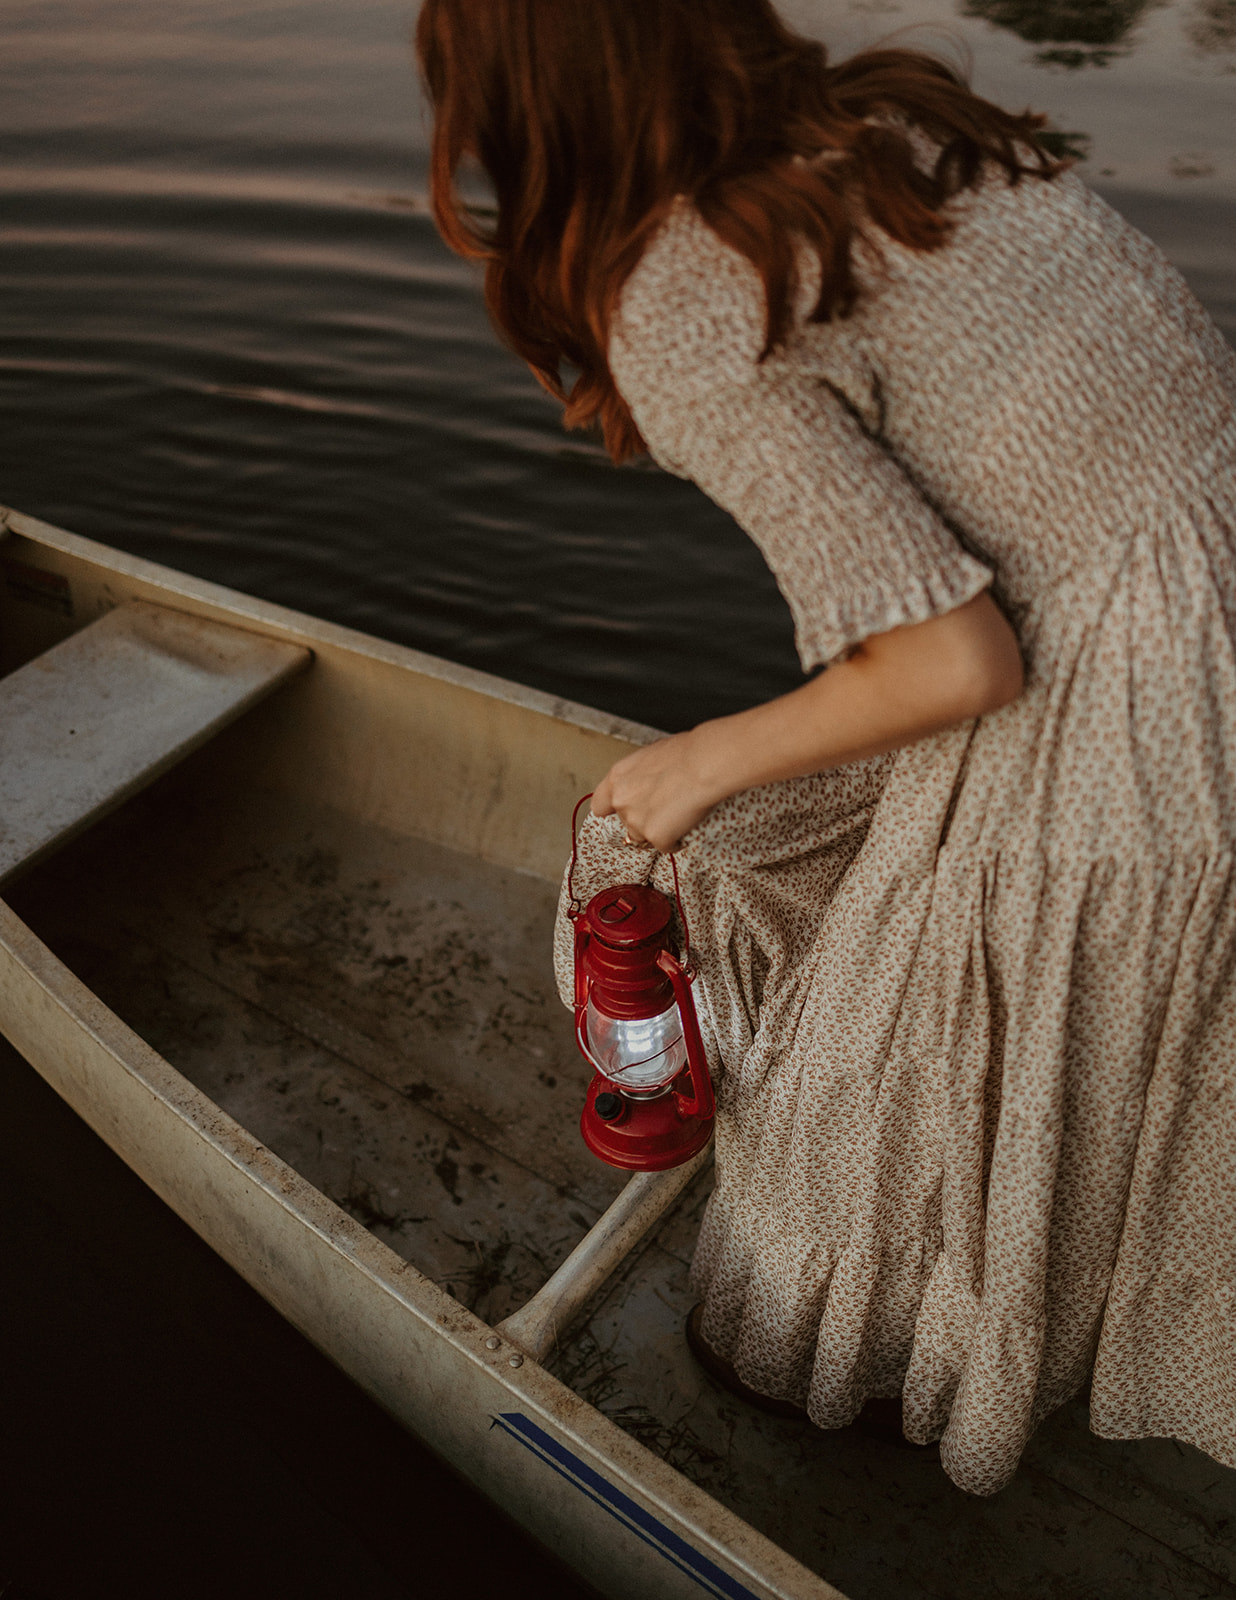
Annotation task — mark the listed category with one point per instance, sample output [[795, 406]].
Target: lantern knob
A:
[[608, 1107]]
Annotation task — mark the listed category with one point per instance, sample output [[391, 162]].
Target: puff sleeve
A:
[[854, 546]]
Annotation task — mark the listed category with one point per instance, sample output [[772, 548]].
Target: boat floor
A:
[[380, 1013]]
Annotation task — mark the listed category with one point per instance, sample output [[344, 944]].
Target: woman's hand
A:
[[892, 689], [658, 792]]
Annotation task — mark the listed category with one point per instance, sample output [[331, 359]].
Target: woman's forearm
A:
[[895, 688]]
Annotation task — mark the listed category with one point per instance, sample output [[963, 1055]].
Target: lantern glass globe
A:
[[637, 1053]]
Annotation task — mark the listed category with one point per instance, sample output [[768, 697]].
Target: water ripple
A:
[[230, 340]]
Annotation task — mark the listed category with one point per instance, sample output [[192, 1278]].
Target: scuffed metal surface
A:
[[388, 1051]]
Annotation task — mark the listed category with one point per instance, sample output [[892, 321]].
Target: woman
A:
[[965, 900]]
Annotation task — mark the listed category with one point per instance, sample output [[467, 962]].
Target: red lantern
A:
[[650, 1105]]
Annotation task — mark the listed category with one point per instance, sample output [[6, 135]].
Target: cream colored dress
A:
[[972, 1007]]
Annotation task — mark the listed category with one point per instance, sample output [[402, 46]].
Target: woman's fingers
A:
[[603, 806], [653, 792]]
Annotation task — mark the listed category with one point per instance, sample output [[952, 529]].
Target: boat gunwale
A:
[[391, 735], [206, 598]]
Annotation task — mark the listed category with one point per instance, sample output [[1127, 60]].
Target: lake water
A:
[[231, 341]]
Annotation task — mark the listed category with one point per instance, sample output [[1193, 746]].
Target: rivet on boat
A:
[[493, 1342], [517, 1361]]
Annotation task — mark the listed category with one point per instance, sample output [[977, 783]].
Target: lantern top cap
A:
[[628, 914]]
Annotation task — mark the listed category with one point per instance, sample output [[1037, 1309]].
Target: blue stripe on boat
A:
[[642, 1523]]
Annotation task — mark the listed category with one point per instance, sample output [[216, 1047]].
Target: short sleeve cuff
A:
[[854, 617]]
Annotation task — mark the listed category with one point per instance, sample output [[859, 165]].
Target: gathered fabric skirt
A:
[[971, 1010]]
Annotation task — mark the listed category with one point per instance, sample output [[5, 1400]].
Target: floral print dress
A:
[[972, 1006]]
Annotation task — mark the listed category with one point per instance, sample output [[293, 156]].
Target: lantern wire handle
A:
[[573, 906], [688, 964]]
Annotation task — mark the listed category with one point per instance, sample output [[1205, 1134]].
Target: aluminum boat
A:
[[276, 919]]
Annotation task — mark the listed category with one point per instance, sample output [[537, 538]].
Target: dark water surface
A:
[[230, 341]]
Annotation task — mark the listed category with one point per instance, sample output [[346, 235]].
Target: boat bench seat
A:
[[97, 717]]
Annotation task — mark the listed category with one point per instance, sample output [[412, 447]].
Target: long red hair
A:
[[590, 116]]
